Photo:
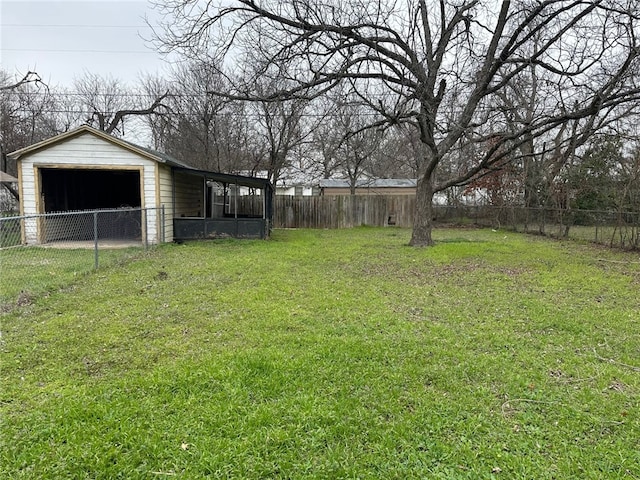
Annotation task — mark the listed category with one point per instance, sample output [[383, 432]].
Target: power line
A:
[[44, 25], [195, 114], [203, 95], [78, 51], [107, 94]]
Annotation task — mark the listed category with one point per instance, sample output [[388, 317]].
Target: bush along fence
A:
[[39, 253], [613, 228]]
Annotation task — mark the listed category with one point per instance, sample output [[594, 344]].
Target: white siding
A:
[[149, 181], [88, 151], [189, 201], [165, 189]]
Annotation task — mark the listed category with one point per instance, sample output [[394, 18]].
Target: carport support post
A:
[[235, 207], [95, 239]]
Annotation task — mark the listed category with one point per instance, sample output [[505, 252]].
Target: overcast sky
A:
[[61, 39]]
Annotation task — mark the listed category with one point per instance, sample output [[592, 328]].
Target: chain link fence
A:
[[619, 229], [615, 229], [41, 253]]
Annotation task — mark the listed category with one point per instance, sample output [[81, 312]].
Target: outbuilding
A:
[[89, 170], [369, 186]]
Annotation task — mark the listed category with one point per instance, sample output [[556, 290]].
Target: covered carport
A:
[[217, 205]]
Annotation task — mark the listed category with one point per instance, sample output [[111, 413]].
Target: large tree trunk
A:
[[423, 218], [531, 173]]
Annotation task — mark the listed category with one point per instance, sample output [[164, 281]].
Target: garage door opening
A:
[[67, 190], [76, 190]]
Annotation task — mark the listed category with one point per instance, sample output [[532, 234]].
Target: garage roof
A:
[[145, 152]]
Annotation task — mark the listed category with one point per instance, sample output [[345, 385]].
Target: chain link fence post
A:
[[145, 231], [95, 240]]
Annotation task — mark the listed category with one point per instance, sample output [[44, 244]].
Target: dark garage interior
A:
[[67, 190], [75, 190]]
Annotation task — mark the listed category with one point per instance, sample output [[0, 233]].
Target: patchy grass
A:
[[332, 354], [29, 272]]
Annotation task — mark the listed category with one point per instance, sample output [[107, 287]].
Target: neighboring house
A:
[[296, 182], [400, 186], [303, 190], [377, 186], [291, 182], [87, 169]]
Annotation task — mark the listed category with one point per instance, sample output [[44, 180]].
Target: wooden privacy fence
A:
[[343, 211], [613, 228]]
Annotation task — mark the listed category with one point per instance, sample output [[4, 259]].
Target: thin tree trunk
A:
[[423, 218]]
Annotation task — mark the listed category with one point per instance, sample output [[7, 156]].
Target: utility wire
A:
[[126, 94], [232, 115], [58, 25], [46, 50]]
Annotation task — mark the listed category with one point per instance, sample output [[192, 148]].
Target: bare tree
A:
[[278, 130], [358, 142], [6, 83], [396, 155], [543, 159], [202, 130], [279, 127], [346, 147], [160, 126], [107, 103], [435, 66], [325, 140], [26, 117], [343, 138]]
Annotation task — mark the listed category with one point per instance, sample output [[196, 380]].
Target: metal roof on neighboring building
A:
[[370, 183]]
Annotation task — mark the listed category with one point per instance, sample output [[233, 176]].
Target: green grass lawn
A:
[[332, 354], [29, 272]]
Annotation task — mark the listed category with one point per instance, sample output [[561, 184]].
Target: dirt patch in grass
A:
[[430, 273]]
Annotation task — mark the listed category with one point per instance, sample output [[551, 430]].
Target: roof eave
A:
[[79, 131], [229, 178]]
